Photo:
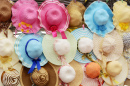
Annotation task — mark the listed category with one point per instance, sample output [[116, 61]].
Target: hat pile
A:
[[86, 55]]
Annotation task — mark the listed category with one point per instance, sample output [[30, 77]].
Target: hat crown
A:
[[85, 45], [108, 45], [28, 15], [6, 47], [34, 49], [101, 17], [53, 16]]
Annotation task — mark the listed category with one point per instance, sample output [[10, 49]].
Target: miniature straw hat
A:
[[80, 33], [16, 81], [121, 18], [57, 13], [5, 14], [53, 76], [76, 11], [51, 56], [25, 16], [79, 73], [98, 17], [111, 46], [8, 57]]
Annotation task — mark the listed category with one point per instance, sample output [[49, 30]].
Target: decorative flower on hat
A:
[[54, 17], [98, 17], [25, 16]]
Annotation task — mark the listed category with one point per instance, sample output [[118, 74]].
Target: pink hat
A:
[[54, 17], [25, 16]]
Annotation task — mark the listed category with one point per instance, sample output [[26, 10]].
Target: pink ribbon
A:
[[83, 26]]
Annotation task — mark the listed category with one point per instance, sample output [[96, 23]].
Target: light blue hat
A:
[[28, 47], [78, 33], [98, 17]]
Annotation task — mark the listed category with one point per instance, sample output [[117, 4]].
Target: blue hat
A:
[[28, 47], [78, 33], [98, 17]]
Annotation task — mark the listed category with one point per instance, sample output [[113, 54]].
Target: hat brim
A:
[[18, 67], [88, 81], [15, 15], [49, 52], [116, 53], [122, 76], [14, 55], [45, 6], [53, 76], [79, 73], [88, 17], [78, 33], [118, 6], [20, 49]]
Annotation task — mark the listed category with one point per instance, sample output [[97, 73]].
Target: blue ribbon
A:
[[101, 27], [35, 61]]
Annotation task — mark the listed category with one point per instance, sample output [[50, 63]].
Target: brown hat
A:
[[5, 14], [53, 76], [76, 11]]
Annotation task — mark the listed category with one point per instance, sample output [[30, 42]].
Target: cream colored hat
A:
[[121, 18], [111, 46], [15, 80], [120, 78], [51, 55], [76, 11], [8, 56], [79, 73]]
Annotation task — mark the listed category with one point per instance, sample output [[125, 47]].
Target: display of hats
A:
[[116, 72], [85, 46], [98, 17], [121, 18], [50, 70], [25, 16], [87, 81], [31, 57], [5, 14], [11, 77], [8, 57], [111, 46], [78, 74], [57, 13], [51, 55], [76, 11]]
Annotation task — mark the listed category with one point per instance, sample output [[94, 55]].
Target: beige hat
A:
[[5, 14], [52, 73], [76, 11], [119, 76], [15, 79], [79, 73], [111, 46], [8, 56], [121, 18]]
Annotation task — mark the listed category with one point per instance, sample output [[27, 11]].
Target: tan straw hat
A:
[[76, 11], [5, 14], [52, 73]]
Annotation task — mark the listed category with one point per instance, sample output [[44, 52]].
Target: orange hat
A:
[[93, 70]]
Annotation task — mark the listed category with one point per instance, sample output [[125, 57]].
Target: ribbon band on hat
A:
[[35, 61]]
